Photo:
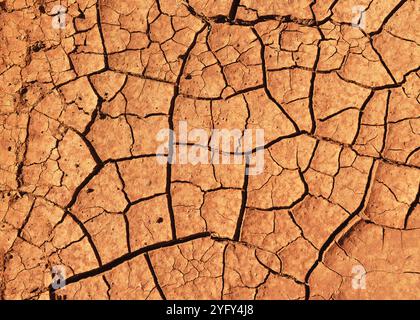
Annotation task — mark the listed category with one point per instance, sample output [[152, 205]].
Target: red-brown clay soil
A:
[[81, 187]]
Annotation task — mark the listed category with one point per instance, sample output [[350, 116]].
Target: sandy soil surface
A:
[[85, 88]]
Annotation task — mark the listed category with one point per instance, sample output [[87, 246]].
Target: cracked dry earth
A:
[[81, 186]]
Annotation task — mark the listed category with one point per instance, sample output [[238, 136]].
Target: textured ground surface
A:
[[81, 188]]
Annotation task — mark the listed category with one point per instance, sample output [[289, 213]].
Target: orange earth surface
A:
[[88, 212]]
